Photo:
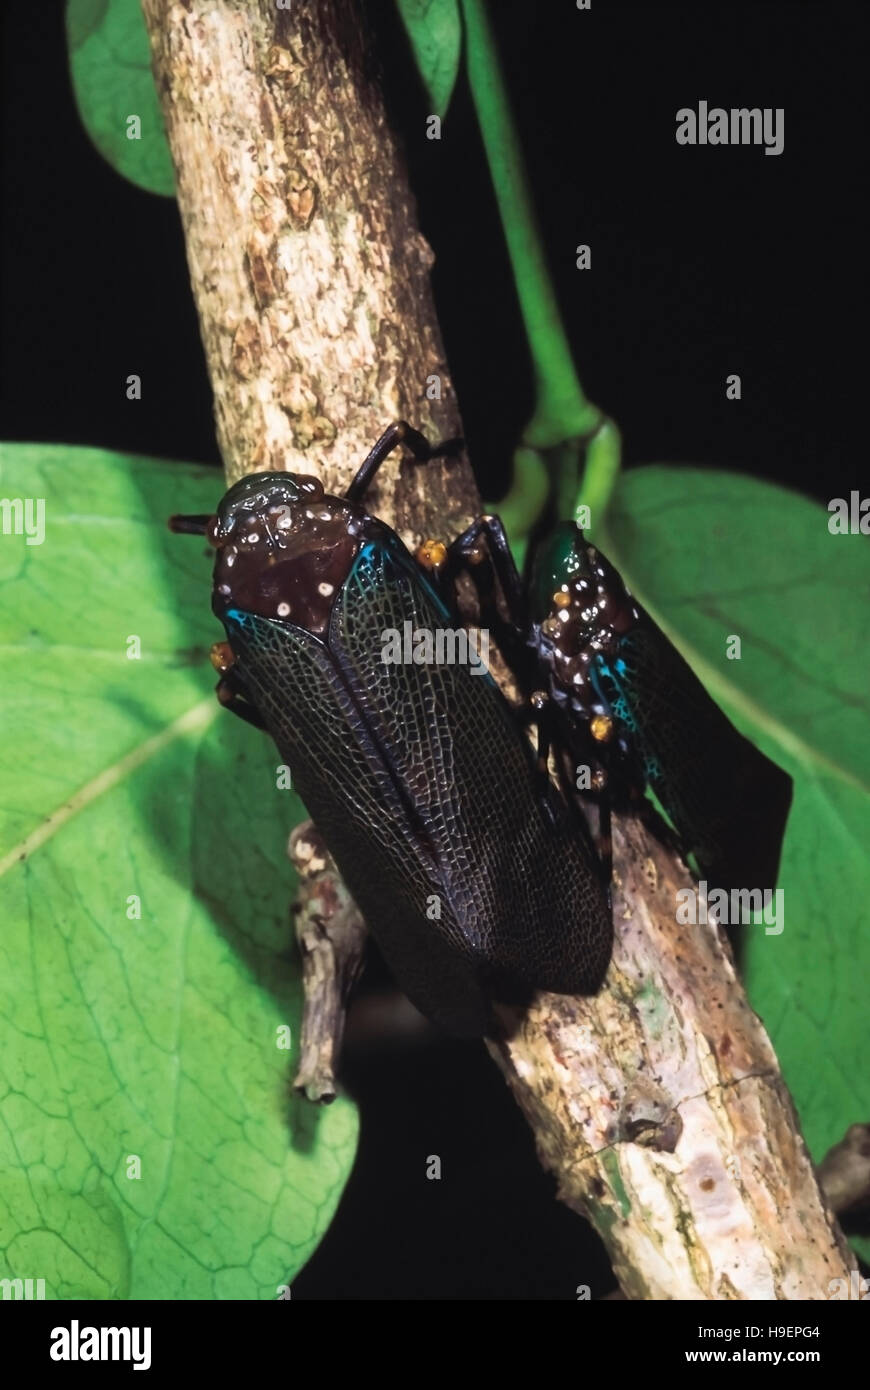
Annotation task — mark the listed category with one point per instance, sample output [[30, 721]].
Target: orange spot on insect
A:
[[221, 657], [601, 727], [432, 554]]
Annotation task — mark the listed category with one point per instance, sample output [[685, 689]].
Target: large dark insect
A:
[[476, 878]]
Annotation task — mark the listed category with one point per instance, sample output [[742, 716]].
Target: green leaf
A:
[[713, 554], [110, 65], [435, 31], [151, 1038]]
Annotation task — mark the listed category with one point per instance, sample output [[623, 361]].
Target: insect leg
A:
[[229, 689], [540, 714], [482, 551], [232, 698], [400, 432], [467, 552], [604, 847]]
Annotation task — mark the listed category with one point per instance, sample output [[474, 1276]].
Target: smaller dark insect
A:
[[618, 701]]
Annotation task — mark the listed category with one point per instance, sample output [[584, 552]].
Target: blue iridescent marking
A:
[[615, 699], [239, 617]]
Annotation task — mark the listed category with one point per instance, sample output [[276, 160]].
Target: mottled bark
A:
[[332, 937], [310, 274], [660, 1107], [659, 1104]]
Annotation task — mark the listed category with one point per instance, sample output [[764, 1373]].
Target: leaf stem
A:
[[561, 408]]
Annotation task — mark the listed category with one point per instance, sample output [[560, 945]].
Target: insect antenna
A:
[[189, 525]]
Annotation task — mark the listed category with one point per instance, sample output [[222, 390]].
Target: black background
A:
[[705, 261]]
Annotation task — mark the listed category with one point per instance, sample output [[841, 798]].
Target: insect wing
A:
[[520, 897], [349, 792], [727, 801]]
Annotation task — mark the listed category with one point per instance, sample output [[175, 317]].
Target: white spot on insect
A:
[[231, 558], [253, 537], [283, 610], [326, 516], [224, 589], [326, 589]]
